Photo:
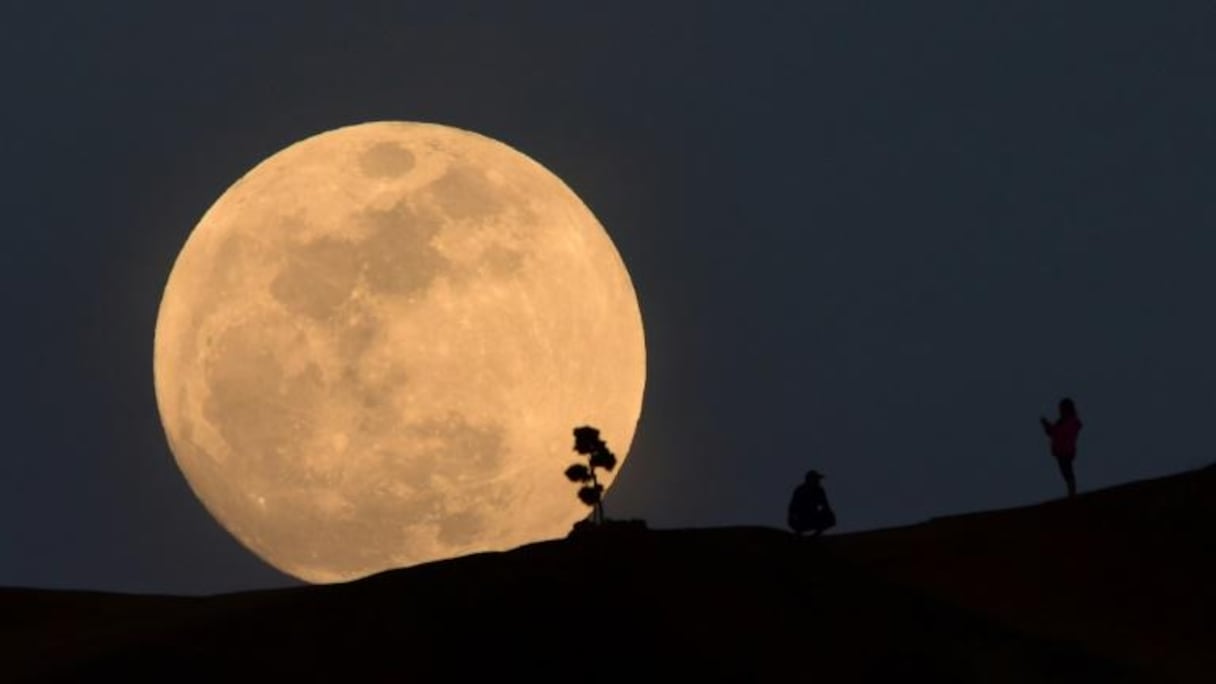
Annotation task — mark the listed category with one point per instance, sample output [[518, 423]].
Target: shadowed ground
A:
[[1111, 586]]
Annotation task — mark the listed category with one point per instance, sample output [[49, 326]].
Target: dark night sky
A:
[[877, 238]]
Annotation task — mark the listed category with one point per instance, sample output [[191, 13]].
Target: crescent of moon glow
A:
[[373, 348]]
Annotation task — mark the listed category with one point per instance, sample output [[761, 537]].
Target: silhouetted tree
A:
[[587, 442]]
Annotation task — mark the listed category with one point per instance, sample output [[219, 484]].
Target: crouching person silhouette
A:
[[809, 510]]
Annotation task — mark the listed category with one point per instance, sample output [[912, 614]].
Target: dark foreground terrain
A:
[[1116, 585]]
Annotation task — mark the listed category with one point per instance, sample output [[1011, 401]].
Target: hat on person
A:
[[814, 475]]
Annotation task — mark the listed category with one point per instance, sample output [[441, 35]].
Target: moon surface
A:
[[374, 347]]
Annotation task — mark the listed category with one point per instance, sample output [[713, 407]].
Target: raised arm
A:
[[1046, 425]]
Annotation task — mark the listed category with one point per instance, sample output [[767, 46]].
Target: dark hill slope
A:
[[1125, 573], [1008, 596]]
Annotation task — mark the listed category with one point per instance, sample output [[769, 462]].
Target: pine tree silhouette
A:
[[587, 442]]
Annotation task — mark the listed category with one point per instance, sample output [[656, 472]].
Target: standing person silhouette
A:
[[809, 510], [1063, 434]]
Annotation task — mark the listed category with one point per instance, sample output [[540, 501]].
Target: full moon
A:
[[374, 347]]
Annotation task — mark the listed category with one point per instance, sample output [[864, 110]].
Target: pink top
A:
[[1064, 436]]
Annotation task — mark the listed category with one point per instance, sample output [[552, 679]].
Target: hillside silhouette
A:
[[1112, 586]]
